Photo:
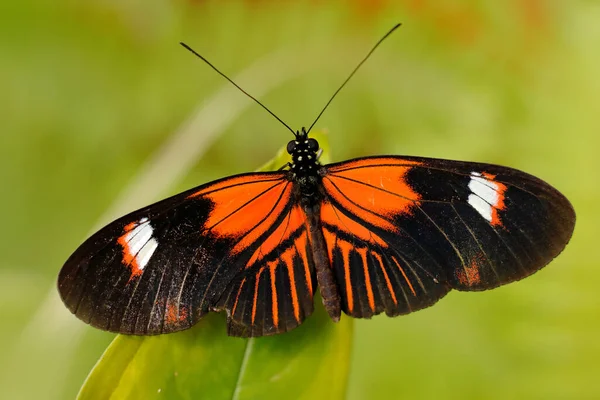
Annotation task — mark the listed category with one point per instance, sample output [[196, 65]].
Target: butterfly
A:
[[378, 234]]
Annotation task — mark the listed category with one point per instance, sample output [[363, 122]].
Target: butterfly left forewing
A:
[[159, 269], [403, 231]]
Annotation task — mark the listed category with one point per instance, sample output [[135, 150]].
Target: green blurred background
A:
[[95, 99]]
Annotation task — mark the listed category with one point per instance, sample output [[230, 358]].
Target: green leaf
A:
[[311, 361]]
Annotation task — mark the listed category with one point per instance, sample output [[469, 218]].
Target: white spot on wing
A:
[[146, 252], [481, 206], [484, 195], [485, 189], [138, 237], [140, 243]]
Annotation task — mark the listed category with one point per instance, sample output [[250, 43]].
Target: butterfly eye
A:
[[312, 144], [291, 146]]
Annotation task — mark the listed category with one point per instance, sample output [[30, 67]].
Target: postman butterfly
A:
[[389, 234]]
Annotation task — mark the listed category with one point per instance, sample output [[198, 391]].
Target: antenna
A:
[[353, 72], [234, 84]]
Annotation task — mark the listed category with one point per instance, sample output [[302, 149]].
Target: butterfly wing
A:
[[161, 268], [275, 291], [403, 231]]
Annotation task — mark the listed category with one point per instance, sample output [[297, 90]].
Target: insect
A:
[[389, 234]]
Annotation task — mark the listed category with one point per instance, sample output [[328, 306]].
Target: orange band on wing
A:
[[245, 207], [372, 191], [301, 243], [275, 305], [345, 248], [248, 182], [332, 216], [237, 297], [405, 277], [293, 222], [385, 275]]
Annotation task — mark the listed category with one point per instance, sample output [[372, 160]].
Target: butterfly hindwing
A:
[[402, 231], [373, 278], [274, 293], [159, 269]]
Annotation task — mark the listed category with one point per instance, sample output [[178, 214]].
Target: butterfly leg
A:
[[284, 166], [325, 278]]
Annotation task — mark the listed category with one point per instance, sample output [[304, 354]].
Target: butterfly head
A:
[[302, 143]]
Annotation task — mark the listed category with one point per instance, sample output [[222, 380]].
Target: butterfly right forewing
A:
[[403, 231]]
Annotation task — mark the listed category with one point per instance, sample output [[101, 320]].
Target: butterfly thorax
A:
[[304, 167]]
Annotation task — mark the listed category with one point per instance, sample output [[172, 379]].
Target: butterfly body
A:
[[306, 173]]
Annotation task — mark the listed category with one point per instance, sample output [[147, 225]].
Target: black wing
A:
[[403, 231], [232, 244]]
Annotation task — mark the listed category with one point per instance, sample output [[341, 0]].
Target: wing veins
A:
[[351, 168], [367, 245], [278, 178], [387, 191], [156, 298], [371, 186], [382, 267], [215, 273], [186, 198], [335, 210], [139, 311], [289, 215], [510, 249], [468, 228], [245, 204], [533, 247], [137, 283], [292, 237], [407, 264], [448, 170], [396, 278], [85, 286], [362, 222], [462, 261]]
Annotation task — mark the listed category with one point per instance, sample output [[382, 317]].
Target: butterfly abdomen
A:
[[325, 277]]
